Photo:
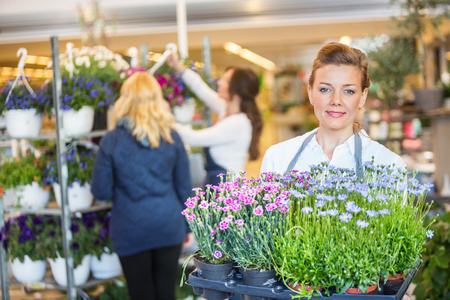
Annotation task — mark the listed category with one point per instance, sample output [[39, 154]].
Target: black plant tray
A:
[[220, 290]]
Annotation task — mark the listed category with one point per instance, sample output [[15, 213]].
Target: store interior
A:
[[283, 35]]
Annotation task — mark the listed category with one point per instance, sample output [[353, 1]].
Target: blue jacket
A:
[[148, 187]]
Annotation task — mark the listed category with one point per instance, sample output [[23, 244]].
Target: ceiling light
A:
[[250, 56], [346, 40]]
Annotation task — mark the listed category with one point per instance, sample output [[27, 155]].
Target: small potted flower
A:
[[22, 239], [105, 262], [80, 161], [204, 215], [80, 248], [23, 108], [24, 176]]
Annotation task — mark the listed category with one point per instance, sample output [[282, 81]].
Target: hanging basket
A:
[[29, 270], [108, 266], [33, 196], [79, 197], [23, 123], [78, 123], [80, 273], [185, 112]]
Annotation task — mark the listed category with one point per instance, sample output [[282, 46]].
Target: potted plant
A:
[[81, 96], [105, 262], [80, 161], [102, 64], [343, 234], [413, 21], [204, 214], [23, 242], [25, 176], [182, 100], [80, 249], [23, 108]]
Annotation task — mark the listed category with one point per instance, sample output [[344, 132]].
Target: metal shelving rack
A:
[[64, 212]]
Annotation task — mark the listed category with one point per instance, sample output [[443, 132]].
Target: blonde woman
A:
[[142, 166]]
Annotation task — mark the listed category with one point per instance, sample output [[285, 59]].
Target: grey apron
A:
[[358, 153]]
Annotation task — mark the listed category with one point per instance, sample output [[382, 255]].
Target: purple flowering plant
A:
[[80, 160], [21, 98], [98, 223], [23, 236], [81, 244], [174, 90], [345, 232], [82, 90]]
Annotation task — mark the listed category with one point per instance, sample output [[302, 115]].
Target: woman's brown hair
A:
[[340, 54], [245, 83]]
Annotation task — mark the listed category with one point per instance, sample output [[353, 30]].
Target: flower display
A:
[[22, 170], [98, 222], [80, 163], [175, 91], [324, 228]]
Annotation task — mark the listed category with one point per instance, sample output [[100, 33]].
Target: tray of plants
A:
[[235, 287]]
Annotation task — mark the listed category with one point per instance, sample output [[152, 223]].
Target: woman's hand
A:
[[190, 240], [406, 297], [174, 62]]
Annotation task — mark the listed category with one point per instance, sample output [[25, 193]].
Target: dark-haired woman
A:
[[234, 138]]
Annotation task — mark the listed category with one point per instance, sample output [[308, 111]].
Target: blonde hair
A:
[[141, 100]]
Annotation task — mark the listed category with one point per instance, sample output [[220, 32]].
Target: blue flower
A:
[[345, 217], [332, 212], [307, 210], [342, 197], [362, 223], [322, 213], [384, 212], [430, 233], [320, 203], [371, 213]]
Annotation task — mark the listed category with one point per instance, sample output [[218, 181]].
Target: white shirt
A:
[[229, 139], [278, 157]]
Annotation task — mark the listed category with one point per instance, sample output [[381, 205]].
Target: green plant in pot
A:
[[25, 176], [415, 18]]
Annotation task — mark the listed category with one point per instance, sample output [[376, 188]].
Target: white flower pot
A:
[[10, 198], [78, 123], [29, 270], [80, 273], [185, 113], [32, 196], [107, 267], [79, 197], [23, 123]]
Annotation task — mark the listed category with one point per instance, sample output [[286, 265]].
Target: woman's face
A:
[[337, 96], [224, 85]]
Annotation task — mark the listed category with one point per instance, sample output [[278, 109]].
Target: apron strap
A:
[[358, 153], [296, 156]]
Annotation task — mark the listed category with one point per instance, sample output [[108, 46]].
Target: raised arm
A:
[[198, 86]]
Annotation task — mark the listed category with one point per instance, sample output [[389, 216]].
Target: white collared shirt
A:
[[278, 157]]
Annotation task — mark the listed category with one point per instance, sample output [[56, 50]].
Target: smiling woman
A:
[[337, 89]]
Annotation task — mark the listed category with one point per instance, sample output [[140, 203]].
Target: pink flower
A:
[[191, 217], [190, 204], [185, 212], [204, 204], [217, 254], [228, 201], [258, 210], [240, 222], [213, 232], [271, 206], [223, 225]]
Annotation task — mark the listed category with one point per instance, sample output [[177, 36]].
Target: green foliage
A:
[[390, 63], [115, 290], [22, 170], [433, 278]]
